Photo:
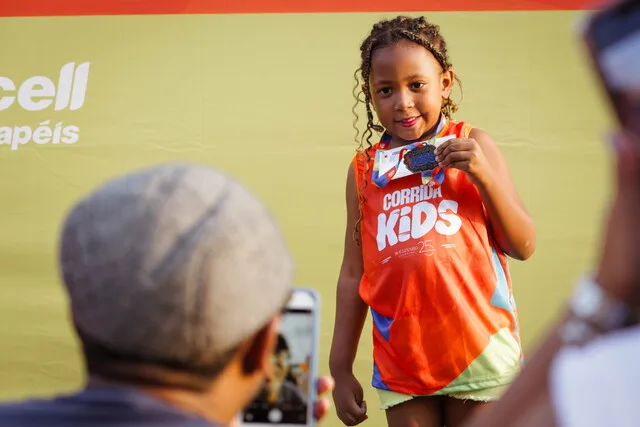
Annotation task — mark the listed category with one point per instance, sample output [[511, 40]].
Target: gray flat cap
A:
[[176, 262]]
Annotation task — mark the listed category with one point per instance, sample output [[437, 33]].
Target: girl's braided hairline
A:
[[386, 33]]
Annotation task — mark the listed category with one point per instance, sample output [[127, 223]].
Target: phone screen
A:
[[286, 397], [615, 39]]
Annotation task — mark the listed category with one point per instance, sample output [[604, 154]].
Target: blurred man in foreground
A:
[[176, 277]]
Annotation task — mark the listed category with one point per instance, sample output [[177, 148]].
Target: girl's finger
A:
[[455, 157]]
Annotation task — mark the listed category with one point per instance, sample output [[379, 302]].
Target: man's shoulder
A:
[[98, 409], [34, 412], [31, 405]]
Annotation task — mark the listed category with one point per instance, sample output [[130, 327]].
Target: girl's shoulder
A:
[[461, 129]]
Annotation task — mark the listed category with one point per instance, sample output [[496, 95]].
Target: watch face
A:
[[592, 304], [588, 299]]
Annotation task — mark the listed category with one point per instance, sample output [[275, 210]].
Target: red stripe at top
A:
[[153, 7]]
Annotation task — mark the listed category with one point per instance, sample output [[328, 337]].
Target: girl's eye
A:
[[384, 91], [417, 85]]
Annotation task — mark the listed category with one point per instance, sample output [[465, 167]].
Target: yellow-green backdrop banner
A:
[[267, 98]]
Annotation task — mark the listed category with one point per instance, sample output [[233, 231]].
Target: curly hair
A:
[[383, 34]]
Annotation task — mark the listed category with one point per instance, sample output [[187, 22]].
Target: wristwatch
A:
[[593, 312]]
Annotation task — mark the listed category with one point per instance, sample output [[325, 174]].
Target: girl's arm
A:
[[480, 158], [351, 311], [512, 225]]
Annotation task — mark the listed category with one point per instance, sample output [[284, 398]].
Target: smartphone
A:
[[288, 395], [612, 38]]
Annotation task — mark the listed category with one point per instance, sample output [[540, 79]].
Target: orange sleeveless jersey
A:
[[437, 284]]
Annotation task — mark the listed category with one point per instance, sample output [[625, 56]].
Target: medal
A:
[[418, 157], [421, 159]]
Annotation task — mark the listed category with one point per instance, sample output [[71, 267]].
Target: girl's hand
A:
[[348, 397], [466, 155]]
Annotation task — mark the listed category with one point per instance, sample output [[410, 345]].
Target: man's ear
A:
[[258, 357]]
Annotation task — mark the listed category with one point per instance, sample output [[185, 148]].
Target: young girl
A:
[[426, 252]]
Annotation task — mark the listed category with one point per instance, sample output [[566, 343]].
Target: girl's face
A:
[[407, 86]]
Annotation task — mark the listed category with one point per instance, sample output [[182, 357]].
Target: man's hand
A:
[[322, 404]]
